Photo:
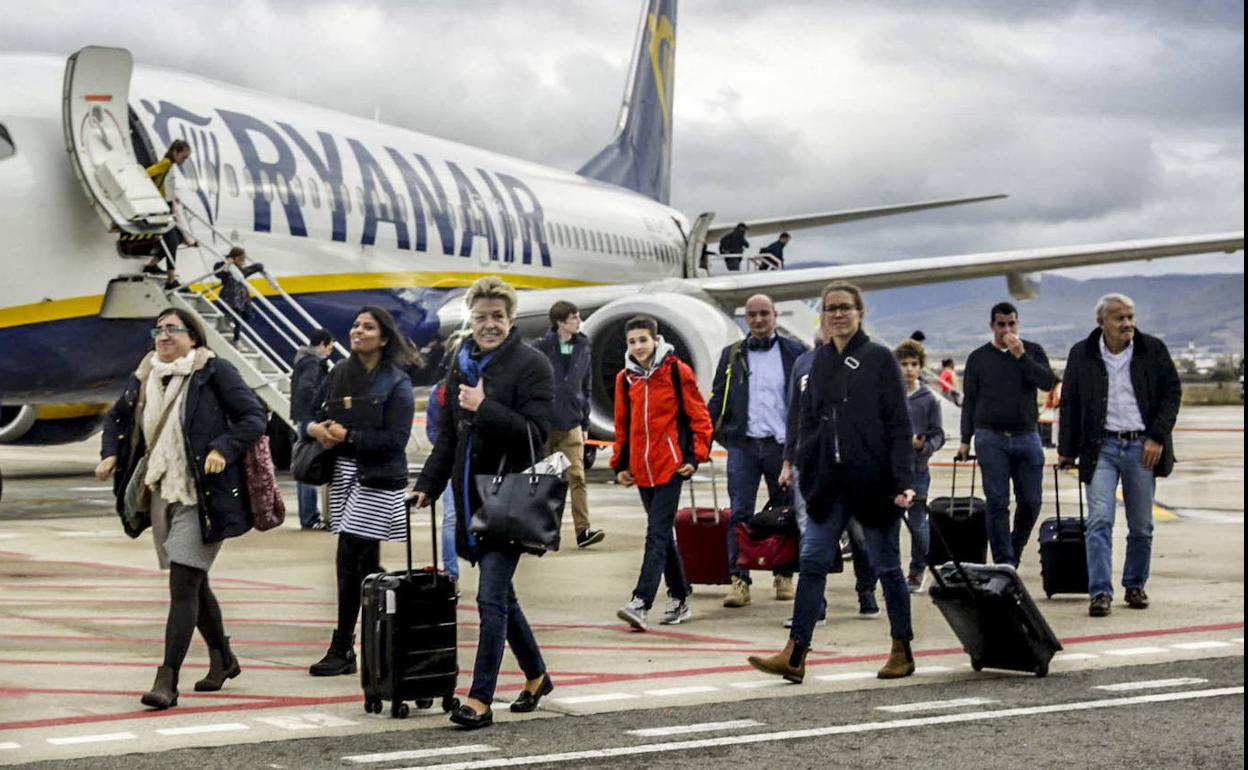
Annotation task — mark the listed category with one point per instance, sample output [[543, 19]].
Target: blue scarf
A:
[[471, 368]]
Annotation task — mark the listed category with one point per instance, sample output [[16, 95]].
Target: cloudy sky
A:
[[1102, 120]]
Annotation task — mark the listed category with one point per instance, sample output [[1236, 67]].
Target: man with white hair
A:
[[1120, 400]]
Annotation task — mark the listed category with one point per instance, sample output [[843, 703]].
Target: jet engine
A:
[[1024, 285], [698, 330], [48, 424]]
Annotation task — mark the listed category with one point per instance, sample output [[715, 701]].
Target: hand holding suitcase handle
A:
[[693, 500], [958, 459]]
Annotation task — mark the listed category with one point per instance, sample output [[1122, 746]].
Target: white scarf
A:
[[168, 469]]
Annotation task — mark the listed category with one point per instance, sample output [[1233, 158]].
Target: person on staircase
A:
[[191, 418], [233, 291], [163, 175], [365, 416]]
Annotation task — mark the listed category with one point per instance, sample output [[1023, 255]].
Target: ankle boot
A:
[[339, 660], [164, 692], [222, 665], [900, 661], [789, 663]]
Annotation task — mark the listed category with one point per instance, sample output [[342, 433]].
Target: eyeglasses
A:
[[839, 309], [169, 330]]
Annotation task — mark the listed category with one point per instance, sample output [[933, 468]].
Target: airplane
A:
[[346, 211]]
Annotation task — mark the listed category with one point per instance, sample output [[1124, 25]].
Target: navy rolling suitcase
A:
[[408, 639], [1063, 549], [994, 617], [962, 521]]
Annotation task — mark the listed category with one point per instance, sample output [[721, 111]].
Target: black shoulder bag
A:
[[522, 508]]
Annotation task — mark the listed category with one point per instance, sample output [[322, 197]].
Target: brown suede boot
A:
[[900, 661], [790, 663], [222, 665], [164, 692]]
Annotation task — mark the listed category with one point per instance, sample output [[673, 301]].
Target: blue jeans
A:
[[309, 505], [1119, 460], [748, 463], [920, 537], [662, 559], [820, 543], [502, 622], [1017, 457], [450, 562]]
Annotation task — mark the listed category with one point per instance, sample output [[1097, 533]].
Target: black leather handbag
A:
[[311, 463], [521, 508]]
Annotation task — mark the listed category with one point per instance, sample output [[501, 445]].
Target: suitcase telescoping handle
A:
[[433, 527], [693, 500], [953, 485], [934, 527], [1057, 498]]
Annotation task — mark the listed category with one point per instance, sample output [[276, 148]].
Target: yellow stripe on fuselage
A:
[[79, 307]]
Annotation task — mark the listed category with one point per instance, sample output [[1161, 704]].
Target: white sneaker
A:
[[677, 612], [633, 613]]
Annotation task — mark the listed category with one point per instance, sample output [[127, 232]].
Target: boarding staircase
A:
[[268, 341]]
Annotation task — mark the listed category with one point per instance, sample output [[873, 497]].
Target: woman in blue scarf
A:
[[499, 397]]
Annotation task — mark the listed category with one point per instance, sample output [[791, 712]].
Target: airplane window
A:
[[266, 186], [283, 190], [344, 195], [580, 238], [296, 189], [231, 181], [602, 246], [314, 192], [210, 176], [7, 149]]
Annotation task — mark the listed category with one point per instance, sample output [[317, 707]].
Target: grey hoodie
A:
[[925, 416]]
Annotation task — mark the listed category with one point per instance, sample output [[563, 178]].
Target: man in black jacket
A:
[[1120, 400], [310, 367], [999, 410], [749, 404], [569, 354]]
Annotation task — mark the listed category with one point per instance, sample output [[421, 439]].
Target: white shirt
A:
[[1122, 413]]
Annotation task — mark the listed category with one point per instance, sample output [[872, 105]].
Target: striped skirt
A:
[[375, 514]]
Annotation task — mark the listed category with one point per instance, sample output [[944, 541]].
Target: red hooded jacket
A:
[[656, 443]]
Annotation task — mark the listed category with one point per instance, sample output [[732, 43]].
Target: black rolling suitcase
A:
[[1063, 549], [408, 637], [962, 521], [996, 620]]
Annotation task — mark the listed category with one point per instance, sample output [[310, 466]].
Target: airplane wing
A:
[[803, 221], [731, 291]]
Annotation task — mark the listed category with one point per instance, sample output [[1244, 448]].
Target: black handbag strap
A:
[[502, 461]]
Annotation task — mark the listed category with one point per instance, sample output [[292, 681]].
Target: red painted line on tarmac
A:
[[139, 664], [1161, 632], [98, 600], [94, 585], [1208, 430], [20, 691]]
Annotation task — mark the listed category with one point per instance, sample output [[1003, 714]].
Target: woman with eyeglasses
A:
[[854, 456], [193, 418], [364, 414]]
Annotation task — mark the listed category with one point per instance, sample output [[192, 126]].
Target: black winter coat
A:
[[730, 399], [219, 412], [854, 433], [1085, 393], [305, 380], [572, 383], [519, 395]]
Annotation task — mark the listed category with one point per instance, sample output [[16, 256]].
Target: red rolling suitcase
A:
[[702, 539], [408, 639]]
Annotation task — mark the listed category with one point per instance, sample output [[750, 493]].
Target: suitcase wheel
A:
[[1042, 670], [399, 710], [1048, 595], [450, 703], [372, 706], [424, 703], [978, 664]]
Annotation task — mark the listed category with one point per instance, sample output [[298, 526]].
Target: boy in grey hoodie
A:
[[929, 435]]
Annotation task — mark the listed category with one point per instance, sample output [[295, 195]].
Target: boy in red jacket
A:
[[662, 432]]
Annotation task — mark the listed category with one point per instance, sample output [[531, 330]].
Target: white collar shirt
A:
[[1122, 413]]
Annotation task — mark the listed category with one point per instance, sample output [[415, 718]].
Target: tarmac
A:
[[83, 614]]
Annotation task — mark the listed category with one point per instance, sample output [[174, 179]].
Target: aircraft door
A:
[[95, 117], [696, 244]]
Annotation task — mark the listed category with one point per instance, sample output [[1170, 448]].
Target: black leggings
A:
[[191, 605], [358, 558]]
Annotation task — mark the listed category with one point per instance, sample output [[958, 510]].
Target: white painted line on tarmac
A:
[[394, 756], [935, 705], [1061, 656], [758, 684], [1151, 684], [9, 745], [848, 676], [599, 698], [1210, 645], [820, 732], [11, 535], [83, 533], [932, 670], [77, 739], [223, 727], [671, 691], [703, 727], [305, 721], [1136, 651], [1240, 640]]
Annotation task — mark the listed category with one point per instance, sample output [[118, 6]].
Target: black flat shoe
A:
[[465, 717], [528, 701]]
